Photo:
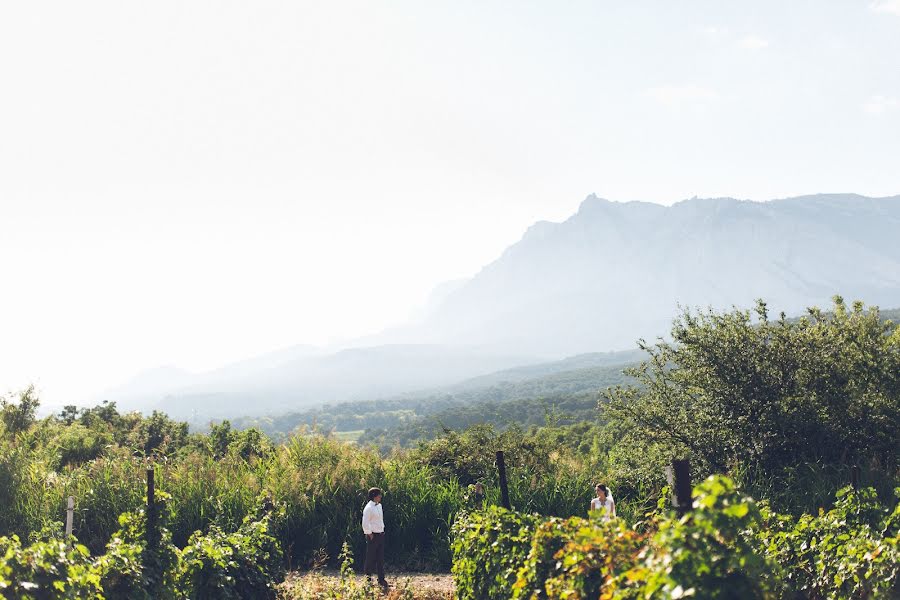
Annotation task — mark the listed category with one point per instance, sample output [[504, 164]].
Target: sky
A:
[[193, 183]]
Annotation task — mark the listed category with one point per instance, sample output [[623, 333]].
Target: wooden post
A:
[[70, 515], [504, 490], [854, 477], [682, 488], [152, 528]]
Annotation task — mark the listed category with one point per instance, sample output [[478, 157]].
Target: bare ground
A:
[[424, 586]]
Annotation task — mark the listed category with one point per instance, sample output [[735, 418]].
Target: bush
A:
[[46, 571], [769, 396], [76, 444], [134, 569], [707, 553], [239, 565], [575, 558], [243, 564], [850, 551], [488, 549]]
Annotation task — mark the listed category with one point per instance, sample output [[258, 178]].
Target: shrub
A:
[[488, 548], [850, 551], [576, 557], [704, 553], [734, 388], [243, 564], [76, 444], [50, 570], [134, 569]]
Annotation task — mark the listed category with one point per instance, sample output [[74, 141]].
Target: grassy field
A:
[[349, 436]]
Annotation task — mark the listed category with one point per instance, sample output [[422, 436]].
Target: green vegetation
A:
[[139, 566], [526, 396], [726, 547], [783, 408]]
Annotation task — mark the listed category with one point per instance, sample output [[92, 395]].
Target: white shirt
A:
[[373, 518]]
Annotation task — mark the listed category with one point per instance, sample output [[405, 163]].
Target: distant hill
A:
[[303, 378], [615, 272], [569, 387]]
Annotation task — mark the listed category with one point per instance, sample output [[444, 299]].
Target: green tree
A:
[[18, 415], [159, 434], [68, 414], [736, 393], [220, 437]]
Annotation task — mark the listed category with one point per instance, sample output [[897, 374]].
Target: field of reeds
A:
[[321, 481]]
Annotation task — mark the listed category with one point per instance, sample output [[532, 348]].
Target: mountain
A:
[[607, 276], [581, 364], [267, 385], [615, 272]]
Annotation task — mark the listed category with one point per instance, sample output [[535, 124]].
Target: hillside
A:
[[304, 378], [567, 389], [614, 272]]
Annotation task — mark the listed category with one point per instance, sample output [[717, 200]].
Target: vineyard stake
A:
[[152, 536], [682, 488], [504, 490], [70, 515]]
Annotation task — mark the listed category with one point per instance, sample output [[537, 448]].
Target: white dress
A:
[[606, 506]]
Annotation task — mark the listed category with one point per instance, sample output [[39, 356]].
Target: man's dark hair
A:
[[374, 493]]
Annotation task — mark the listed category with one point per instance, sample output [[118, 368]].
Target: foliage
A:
[[47, 570], [139, 565], [850, 551], [576, 557], [489, 546], [77, 444], [764, 397], [161, 434], [18, 415], [726, 547], [248, 443], [704, 553], [244, 564]]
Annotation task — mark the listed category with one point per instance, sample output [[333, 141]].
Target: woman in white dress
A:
[[604, 502]]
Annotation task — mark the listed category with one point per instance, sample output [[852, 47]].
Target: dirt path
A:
[[424, 586]]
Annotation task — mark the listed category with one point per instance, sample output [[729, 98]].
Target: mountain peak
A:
[[594, 203], [614, 272]]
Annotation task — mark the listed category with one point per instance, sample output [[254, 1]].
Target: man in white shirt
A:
[[373, 527]]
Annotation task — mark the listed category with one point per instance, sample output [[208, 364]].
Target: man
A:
[[373, 527]]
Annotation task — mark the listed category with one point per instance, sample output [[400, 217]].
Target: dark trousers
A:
[[375, 556]]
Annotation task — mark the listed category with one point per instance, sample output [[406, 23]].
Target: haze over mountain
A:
[[608, 275], [271, 385], [614, 272]]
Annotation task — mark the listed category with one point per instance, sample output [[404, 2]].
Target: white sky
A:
[[191, 183]]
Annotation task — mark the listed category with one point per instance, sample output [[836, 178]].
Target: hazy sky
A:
[[191, 183]]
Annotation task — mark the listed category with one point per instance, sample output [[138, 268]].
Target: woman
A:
[[604, 502]]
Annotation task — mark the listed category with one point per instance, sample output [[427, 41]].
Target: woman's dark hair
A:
[[602, 487], [374, 493]]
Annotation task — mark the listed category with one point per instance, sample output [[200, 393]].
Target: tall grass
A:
[[321, 481]]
